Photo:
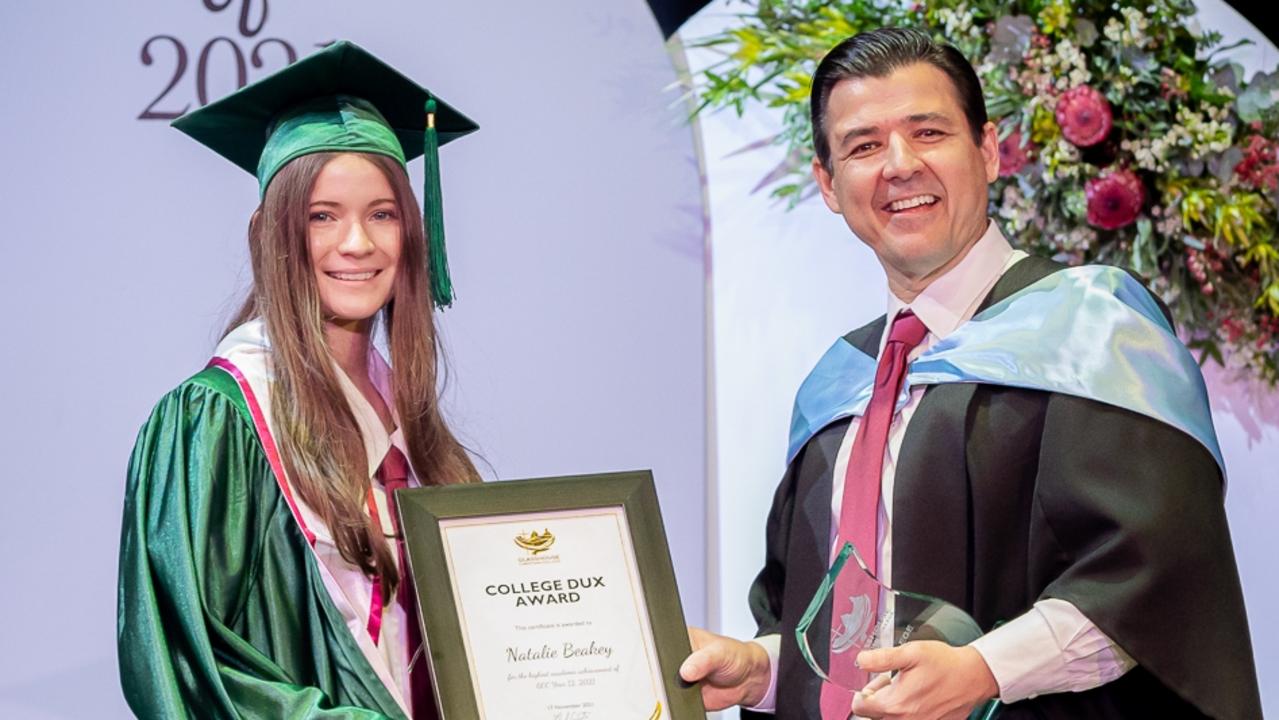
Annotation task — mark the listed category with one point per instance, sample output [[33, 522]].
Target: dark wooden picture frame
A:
[[422, 509]]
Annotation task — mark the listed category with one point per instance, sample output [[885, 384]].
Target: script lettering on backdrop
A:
[[219, 61]]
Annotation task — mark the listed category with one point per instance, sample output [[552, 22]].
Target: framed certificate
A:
[[549, 599]]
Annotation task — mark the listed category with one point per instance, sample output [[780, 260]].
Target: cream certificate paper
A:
[[553, 616]]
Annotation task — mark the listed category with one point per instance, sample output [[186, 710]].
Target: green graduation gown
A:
[[223, 610]]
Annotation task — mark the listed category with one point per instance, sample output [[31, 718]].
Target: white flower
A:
[[957, 22], [1131, 31], [1169, 225], [1078, 240], [1146, 154], [1068, 64], [1061, 161], [1014, 209], [1114, 30], [1204, 133]]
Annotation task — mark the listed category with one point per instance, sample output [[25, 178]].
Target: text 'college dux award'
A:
[[551, 607]]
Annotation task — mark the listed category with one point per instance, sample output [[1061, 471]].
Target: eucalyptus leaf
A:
[[1228, 76], [1137, 59], [1011, 38], [1085, 32], [1222, 164], [1261, 94]]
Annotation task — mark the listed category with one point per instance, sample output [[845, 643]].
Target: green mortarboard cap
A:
[[339, 99]]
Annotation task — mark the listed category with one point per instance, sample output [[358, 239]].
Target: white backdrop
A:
[[576, 241], [786, 284]]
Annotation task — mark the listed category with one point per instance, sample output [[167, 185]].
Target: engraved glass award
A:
[[901, 617]]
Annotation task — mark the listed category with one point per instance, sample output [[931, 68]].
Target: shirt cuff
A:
[[1051, 648], [772, 645]]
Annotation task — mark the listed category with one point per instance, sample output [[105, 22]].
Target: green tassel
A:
[[433, 215]]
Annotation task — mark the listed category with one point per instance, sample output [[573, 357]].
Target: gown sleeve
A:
[[766, 591], [189, 554], [1135, 510]]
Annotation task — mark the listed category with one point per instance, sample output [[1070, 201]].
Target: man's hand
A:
[[732, 672], [934, 681]]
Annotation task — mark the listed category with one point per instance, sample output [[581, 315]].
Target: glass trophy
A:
[[903, 617]]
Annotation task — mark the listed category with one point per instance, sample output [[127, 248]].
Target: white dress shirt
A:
[[1052, 647], [359, 588]]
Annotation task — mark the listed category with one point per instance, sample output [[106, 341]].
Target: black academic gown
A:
[[1005, 496]]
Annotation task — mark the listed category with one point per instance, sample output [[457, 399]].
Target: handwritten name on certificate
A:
[[553, 616]]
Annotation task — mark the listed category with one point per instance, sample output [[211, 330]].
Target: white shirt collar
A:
[[376, 439], [951, 299]]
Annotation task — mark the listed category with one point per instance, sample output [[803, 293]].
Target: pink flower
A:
[[1234, 329], [1114, 199], [1012, 156], [1260, 164], [1084, 116]]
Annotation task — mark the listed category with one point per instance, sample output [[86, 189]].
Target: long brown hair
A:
[[320, 441]]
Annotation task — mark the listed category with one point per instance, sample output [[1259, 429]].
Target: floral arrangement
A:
[[1124, 139]]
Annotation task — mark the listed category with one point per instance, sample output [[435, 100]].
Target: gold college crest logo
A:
[[535, 543]]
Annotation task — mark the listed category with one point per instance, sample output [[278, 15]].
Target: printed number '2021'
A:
[[165, 108]]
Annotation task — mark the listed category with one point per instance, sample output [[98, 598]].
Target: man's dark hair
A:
[[877, 54]]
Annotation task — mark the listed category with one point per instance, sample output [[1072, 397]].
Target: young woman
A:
[[260, 572]]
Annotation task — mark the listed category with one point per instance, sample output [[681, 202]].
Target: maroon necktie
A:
[[394, 474], [854, 610]]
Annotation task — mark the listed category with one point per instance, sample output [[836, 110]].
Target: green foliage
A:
[[1201, 138]]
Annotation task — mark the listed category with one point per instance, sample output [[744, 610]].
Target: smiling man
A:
[[1026, 441]]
